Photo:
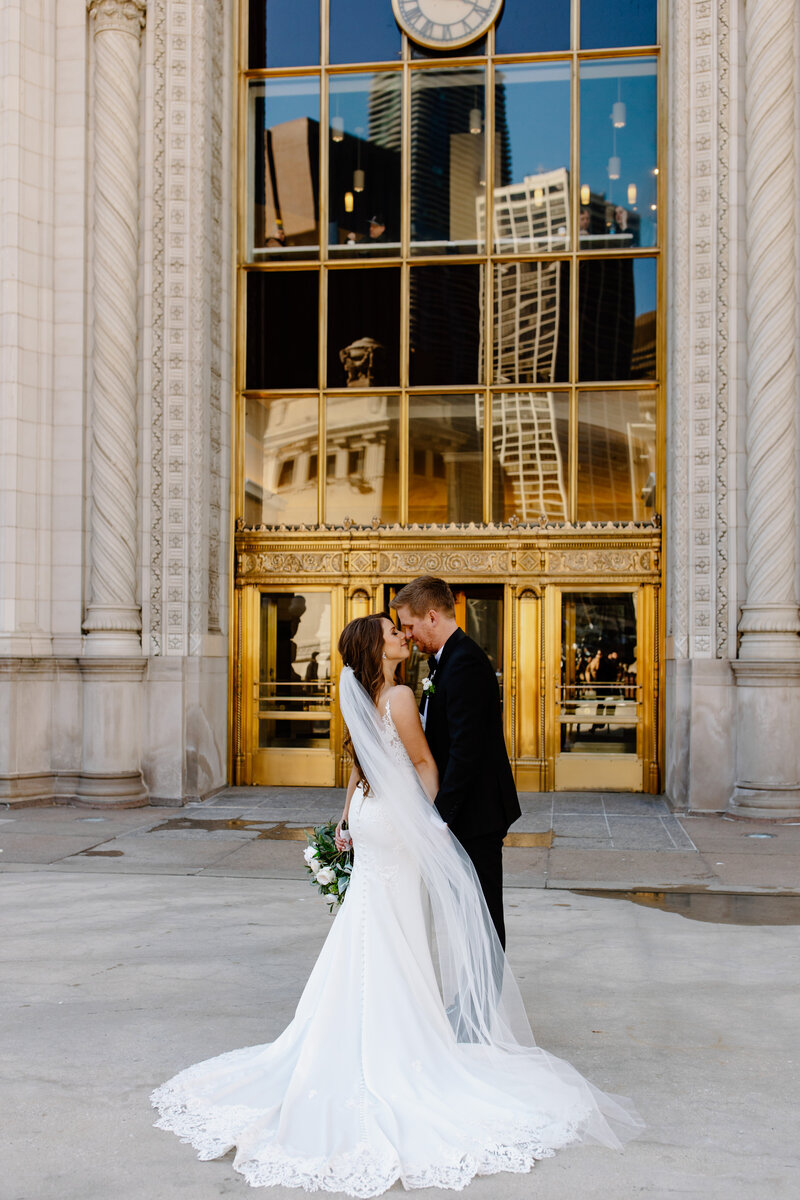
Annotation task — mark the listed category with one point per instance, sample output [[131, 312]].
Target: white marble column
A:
[[768, 667], [112, 667], [113, 619]]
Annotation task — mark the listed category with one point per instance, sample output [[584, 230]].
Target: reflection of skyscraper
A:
[[447, 178], [385, 112], [530, 343], [527, 447], [531, 215]]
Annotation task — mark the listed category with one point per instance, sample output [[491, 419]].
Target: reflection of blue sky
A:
[[288, 99], [363, 31], [537, 112], [293, 33], [623, 23], [350, 96], [645, 280], [525, 27]]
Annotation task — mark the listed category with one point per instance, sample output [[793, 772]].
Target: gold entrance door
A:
[[603, 712], [291, 735]]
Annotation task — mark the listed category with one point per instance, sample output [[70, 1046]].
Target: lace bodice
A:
[[394, 742]]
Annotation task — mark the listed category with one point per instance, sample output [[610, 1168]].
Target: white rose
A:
[[310, 855], [325, 876]]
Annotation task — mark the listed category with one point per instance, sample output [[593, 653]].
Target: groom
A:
[[463, 724]]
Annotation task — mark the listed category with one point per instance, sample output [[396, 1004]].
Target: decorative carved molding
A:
[[114, 517], [770, 619], [443, 561], [543, 553], [190, 264], [283, 562], [724, 316], [601, 562], [700, 313]]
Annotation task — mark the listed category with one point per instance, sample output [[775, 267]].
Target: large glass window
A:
[[451, 285], [362, 458], [364, 328], [364, 117], [532, 157], [281, 460], [444, 325], [281, 34], [445, 459], [448, 159], [619, 160], [527, 28], [530, 455], [283, 201], [616, 456], [363, 31]]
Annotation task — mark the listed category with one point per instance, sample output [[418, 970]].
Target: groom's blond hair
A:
[[425, 593]]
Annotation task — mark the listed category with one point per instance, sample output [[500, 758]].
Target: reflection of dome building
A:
[[361, 460]]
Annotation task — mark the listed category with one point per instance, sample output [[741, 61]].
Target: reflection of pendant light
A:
[[358, 174], [586, 195], [631, 193], [538, 197], [618, 113], [613, 162], [348, 202], [475, 120], [337, 128]]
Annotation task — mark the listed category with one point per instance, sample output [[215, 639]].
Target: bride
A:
[[410, 1055]]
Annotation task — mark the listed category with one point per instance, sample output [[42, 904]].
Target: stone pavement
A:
[[139, 941], [599, 841]]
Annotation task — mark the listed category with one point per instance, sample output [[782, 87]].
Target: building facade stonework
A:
[[117, 365]]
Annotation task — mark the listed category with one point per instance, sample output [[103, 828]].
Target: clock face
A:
[[445, 24]]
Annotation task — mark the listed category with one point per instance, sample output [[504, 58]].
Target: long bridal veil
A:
[[478, 989]]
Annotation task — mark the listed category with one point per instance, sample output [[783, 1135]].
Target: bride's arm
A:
[[407, 723], [351, 787]]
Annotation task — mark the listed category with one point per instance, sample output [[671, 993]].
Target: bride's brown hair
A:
[[361, 647]]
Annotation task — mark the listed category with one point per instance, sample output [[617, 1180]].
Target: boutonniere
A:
[[428, 686]]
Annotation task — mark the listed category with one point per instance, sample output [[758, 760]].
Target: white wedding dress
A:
[[400, 1062]]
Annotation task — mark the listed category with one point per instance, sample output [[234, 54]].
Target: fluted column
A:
[[113, 619], [113, 668], [768, 668]]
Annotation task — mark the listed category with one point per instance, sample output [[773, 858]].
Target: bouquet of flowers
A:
[[330, 869]]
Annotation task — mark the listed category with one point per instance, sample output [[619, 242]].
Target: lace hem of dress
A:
[[363, 1173]]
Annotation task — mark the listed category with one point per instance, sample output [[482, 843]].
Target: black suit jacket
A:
[[464, 729]]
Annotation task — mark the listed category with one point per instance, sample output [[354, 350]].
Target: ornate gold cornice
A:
[[501, 553]]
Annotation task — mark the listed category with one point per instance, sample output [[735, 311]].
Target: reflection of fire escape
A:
[[525, 444], [533, 214]]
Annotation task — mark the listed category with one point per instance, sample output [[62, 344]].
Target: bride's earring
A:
[[384, 655]]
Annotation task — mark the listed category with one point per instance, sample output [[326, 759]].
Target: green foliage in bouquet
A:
[[330, 869]]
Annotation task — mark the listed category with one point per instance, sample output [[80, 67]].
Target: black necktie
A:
[[432, 663]]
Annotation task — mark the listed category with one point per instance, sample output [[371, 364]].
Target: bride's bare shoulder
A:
[[402, 699]]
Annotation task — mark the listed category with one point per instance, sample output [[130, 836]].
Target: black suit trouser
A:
[[486, 853]]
